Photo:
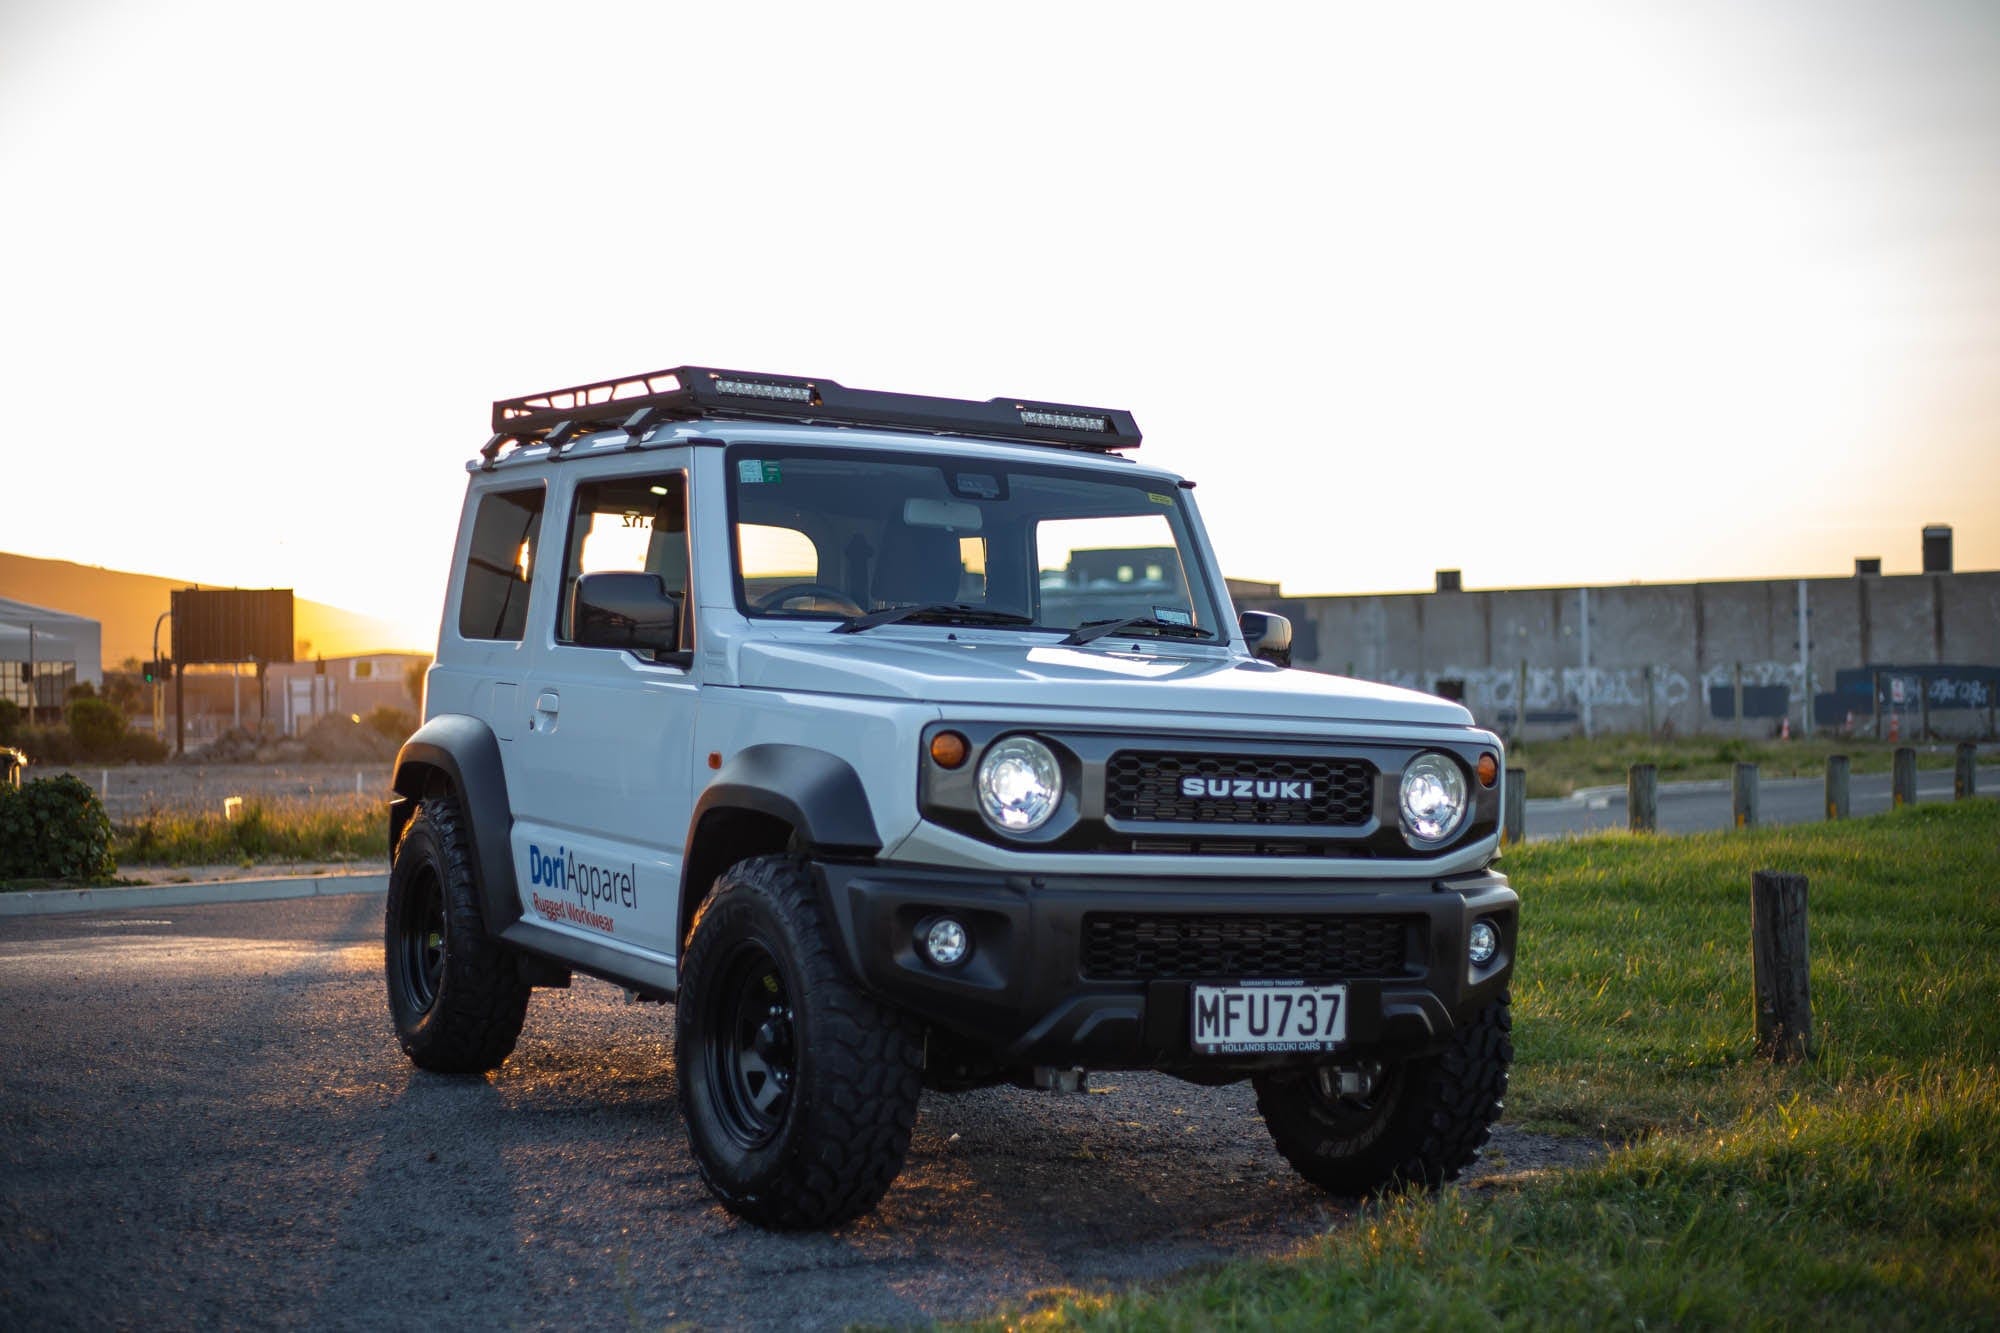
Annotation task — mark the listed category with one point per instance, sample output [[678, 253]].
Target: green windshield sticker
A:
[[771, 472], [1160, 499]]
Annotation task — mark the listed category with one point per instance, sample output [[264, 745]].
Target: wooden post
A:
[[1903, 784], [1965, 774], [1743, 792], [1779, 965], [1514, 807], [1836, 786], [1642, 798]]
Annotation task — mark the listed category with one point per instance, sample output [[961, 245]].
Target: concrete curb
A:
[[43, 902]]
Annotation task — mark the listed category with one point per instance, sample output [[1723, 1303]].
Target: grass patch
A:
[[1561, 767], [349, 828], [1858, 1190]]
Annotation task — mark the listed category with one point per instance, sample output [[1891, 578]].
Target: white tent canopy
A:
[[38, 633]]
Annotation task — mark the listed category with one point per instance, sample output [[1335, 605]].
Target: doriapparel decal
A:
[[587, 888]]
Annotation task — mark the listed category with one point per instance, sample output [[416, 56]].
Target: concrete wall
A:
[[1623, 657]]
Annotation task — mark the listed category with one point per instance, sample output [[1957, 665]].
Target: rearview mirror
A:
[[953, 515], [1269, 636], [616, 609]]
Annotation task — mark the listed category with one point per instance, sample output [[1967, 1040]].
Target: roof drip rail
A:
[[688, 393]]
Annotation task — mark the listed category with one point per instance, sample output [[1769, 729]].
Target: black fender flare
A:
[[465, 752], [817, 795]]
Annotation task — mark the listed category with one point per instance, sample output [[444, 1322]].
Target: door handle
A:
[[545, 711]]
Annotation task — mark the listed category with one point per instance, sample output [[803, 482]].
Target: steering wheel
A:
[[821, 592]]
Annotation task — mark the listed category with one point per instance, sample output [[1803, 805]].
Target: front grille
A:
[[1145, 785], [1130, 946]]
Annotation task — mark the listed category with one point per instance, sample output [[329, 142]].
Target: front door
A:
[[609, 737]]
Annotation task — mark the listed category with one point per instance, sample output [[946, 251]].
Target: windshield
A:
[[841, 536]]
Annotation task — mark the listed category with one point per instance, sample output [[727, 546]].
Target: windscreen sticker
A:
[[1172, 615], [1160, 499], [751, 471]]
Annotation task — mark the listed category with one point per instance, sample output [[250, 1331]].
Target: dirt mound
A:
[[338, 739]]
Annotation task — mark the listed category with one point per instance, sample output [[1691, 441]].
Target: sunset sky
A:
[[1551, 293]]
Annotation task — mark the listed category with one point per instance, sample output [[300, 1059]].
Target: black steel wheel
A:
[[456, 994], [1419, 1122], [753, 1061], [418, 931], [799, 1089]]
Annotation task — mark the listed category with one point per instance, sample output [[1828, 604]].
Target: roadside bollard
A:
[[1965, 775], [1743, 795], [1903, 783], [1779, 965], [1514, 807], [1642, 798], [1836, 786]]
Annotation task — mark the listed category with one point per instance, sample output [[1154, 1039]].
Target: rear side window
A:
[[493, 595]]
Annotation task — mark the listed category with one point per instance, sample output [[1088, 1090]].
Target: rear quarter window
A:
[[500, 563]]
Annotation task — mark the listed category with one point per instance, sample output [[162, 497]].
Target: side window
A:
[[632, 524], [493, 595]]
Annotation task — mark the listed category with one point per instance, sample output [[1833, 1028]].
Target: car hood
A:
[[1046, 675]]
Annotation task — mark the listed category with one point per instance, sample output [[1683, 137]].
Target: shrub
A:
[[48, 745], [54, 828], [10, 721], [391, 722], [96, 727], [137, 747]]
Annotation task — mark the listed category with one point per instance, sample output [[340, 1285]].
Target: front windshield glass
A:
[[836, 536]]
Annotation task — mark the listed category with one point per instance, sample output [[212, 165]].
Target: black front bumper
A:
[[1027, 993]]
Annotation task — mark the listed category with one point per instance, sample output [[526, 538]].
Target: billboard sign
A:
[[232, 625]]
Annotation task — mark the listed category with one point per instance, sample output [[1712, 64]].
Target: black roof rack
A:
[[689, 392]]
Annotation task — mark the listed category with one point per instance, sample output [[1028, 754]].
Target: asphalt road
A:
[[205, 1119], [1701, 807]]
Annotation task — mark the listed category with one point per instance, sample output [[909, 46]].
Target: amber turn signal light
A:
[[1489, 770], [948, 749]]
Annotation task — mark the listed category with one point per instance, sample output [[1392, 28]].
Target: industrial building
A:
[[1919, 653], [43, 653]]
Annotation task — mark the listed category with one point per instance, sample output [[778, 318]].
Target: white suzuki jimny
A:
[[907, 742]]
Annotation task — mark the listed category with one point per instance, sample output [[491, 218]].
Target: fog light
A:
[[946, 942], [1483, 943]]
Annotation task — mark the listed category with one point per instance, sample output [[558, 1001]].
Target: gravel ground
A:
[[204, 1119]]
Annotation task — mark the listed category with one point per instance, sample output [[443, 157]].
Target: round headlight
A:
[[1432, 798], [1019, 785]]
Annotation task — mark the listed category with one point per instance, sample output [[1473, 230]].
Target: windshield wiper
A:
[[1092, 630], [959, 613]]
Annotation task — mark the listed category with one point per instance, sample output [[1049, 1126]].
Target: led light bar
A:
[[1062, 420], [784, 393]]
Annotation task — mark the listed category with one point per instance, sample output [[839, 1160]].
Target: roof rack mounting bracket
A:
[[639, 423]]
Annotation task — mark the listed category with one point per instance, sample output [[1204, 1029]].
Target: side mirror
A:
[[624, 610], [1269, 636]]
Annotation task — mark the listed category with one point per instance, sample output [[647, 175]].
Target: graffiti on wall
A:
[[1490, 691]]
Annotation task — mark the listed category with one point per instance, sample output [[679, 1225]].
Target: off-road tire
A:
[[455, 993], [1425, 1123], [830, 1138]]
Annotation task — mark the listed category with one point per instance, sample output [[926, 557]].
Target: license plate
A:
[[1256, 1020]]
